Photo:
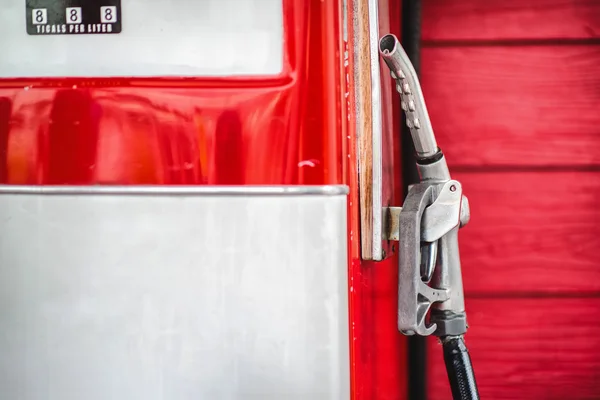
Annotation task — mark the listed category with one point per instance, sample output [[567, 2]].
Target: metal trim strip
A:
[[324, 190], [377, 140]]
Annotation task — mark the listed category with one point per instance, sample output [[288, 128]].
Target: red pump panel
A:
[[379, 360], [294, 128], [282, 129]]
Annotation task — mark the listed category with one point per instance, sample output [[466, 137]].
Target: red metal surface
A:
[[378, 349], [285, 129]]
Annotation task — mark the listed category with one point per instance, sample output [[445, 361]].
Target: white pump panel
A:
[[158, 38]]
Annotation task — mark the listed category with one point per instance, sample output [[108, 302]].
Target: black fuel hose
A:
[[459, 369]]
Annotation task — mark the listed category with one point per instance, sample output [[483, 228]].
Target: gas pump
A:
[[184, 201]]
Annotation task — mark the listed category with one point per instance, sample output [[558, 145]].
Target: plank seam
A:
[[509, 42], [505, 295], [485, 169]]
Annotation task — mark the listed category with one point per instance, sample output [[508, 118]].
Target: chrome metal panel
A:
[[129, 296]]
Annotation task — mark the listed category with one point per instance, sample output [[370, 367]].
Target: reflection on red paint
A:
[[229, 149], [5, 111], [71, 141], [243, 130]]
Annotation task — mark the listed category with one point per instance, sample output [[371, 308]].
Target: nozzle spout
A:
[[413, 103]]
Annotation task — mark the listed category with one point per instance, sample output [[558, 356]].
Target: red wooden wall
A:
[[513, 88]]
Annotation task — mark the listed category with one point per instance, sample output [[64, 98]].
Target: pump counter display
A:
[[64, 17]]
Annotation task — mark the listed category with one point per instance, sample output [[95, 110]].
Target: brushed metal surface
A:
[[173, 297]]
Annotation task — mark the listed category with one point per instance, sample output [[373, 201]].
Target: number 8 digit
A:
[[39, 16], [109, 14]]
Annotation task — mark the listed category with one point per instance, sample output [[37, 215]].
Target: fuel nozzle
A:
[[413, 104], [430, 276], [433, 211]]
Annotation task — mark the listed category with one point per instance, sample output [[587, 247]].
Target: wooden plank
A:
[[531, 233], [364, 128], [530, 105], [510, 19], [377, 167], [528, 349]]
